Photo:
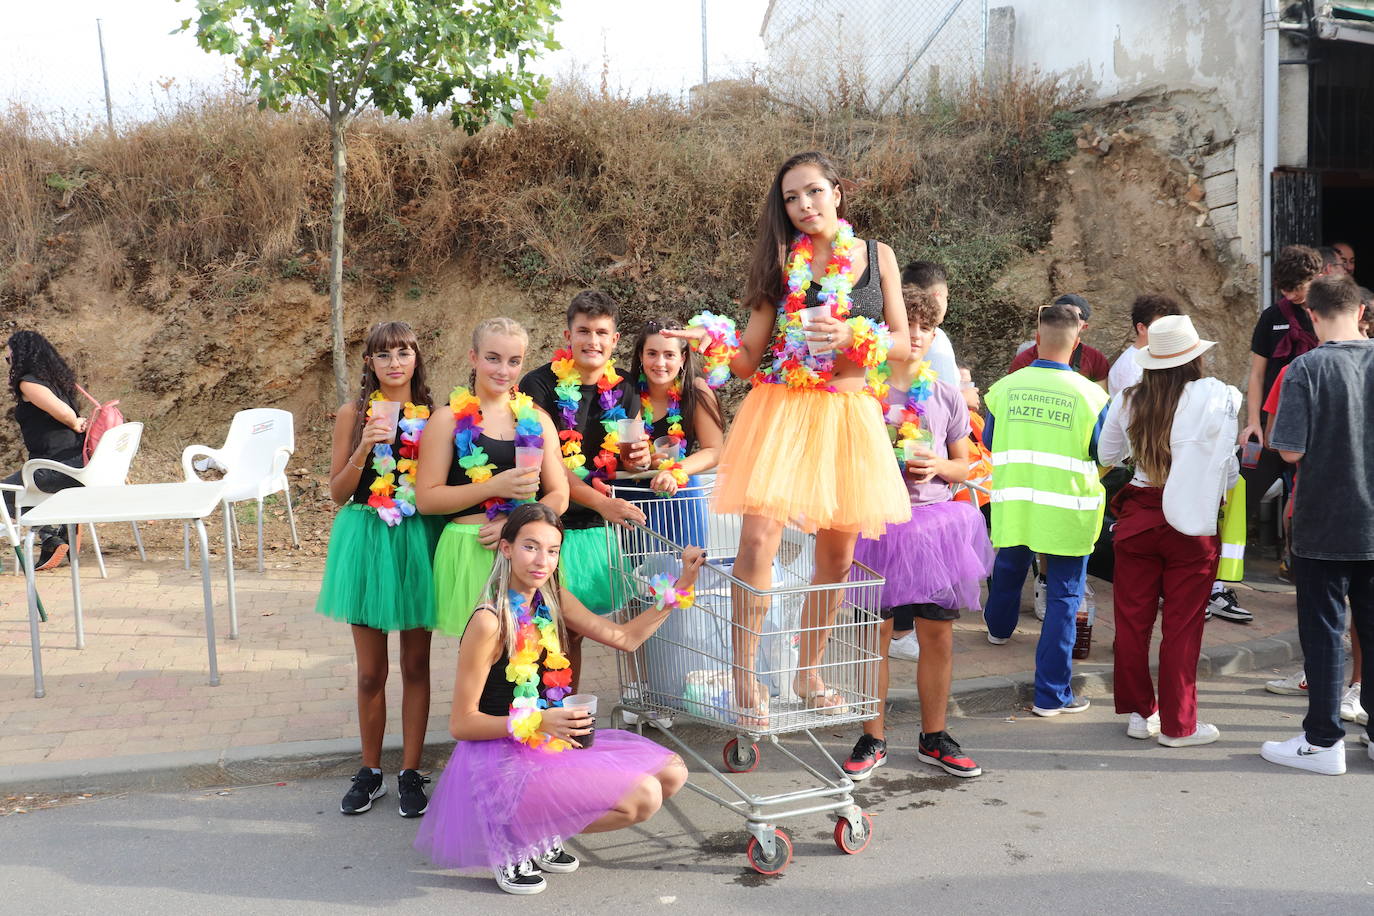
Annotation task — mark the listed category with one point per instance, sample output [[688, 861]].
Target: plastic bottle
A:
[[1087, 614]]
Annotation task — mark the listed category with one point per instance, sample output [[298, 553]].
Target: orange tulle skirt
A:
[[813, 459]]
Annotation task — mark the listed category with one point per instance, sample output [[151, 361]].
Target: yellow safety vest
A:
[[1231, 568]]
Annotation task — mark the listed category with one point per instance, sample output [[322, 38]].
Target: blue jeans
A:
[[1323, 586], [1064, 581]]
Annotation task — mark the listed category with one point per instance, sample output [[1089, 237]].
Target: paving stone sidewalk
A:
[[140, 685]]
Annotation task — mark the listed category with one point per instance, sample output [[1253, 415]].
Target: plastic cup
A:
[[809, 315], [389, 410], [631, 432], [527, 456], [668, 447], [587, 700]]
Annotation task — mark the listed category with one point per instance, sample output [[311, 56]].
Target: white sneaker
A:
[[1203, 734], [905, 647], [1142, 727], [1040, 591], [998, 640], [1297, 753], [1292, 686], [1351, 710]]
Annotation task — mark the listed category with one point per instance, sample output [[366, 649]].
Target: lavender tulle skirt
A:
[[500, 803], [939, 557]]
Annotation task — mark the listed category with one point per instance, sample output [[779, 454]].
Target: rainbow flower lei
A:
[[905, 419], [536, 633], [789, 362], [393, 498], [719, 347], [674, 415], [467, 427], [568, 392]]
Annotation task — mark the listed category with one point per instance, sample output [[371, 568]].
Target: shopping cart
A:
[[687, 670]]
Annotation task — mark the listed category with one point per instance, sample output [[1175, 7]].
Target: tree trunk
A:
[[336, 248]]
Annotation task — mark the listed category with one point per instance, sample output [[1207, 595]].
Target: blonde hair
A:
[[496, 591], [507, 327]]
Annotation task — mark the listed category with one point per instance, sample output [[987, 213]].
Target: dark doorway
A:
[[1340, 145], [1348, 216]]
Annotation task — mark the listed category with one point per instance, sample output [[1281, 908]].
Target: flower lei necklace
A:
[[395, 500], [674, 415], [905, 419], [568, 392], [467, 427], [536, 633], [791, 362]]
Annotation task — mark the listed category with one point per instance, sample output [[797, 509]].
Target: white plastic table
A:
[[193, 501]]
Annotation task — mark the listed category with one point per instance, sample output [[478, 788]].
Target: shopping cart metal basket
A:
[[688, 669]]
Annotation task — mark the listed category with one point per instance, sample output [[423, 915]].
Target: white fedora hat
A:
[[1173, 342]]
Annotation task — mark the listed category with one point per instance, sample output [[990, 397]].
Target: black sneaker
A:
[[367, 786], [520, 879], [1223, 604], [410, 788], [557, 861], [868, 754], [941, 750], [51, 553]]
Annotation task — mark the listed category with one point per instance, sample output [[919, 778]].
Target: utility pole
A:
[[105, 77], [703, 43]]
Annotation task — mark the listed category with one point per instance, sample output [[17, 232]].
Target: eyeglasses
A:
[[402, 355]]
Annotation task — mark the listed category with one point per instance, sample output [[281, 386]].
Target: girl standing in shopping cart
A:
[[808, 446], [525, 775], [489, 450], [377, 574]]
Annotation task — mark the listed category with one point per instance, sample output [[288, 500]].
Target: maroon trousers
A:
[[1154, 561]]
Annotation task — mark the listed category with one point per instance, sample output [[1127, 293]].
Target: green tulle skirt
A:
[[379, 576], [461, 567]]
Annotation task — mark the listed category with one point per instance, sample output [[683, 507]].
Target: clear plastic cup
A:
[[588, 701], [808, 315], [668, 447], [631, 432], [389, 410], [527, 456]]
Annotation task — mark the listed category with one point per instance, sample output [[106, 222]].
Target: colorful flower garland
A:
[[467, 428], [719, 347], [791, 362], [674, 415], [665, 596], [536, 633], [568, 392], [394, 499], [905, 419]]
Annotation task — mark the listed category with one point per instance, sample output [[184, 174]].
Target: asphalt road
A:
[[1071, 816]]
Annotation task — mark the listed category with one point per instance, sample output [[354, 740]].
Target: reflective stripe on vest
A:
[[1044, 460], [1231, 566], [1045, 498]]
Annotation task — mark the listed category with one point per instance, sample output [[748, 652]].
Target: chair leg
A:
[[138, 539], [99, 557], [74, 558], [291, 516], [261, 566], [186, 545], [234, 521]]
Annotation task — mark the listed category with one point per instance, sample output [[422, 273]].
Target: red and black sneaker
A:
[[940, 750], [869, 754]]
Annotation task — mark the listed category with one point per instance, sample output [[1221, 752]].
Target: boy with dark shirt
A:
[[1325, 425], [585, 561]]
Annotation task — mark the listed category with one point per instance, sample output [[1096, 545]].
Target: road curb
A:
[[179, 770]]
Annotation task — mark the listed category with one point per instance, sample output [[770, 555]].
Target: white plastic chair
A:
[[10, 529], [261, 441], [108, 467]]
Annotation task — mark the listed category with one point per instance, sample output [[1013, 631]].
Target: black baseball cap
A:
[[1077, 302]]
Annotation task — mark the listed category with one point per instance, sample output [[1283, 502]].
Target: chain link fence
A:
[[882, 55]]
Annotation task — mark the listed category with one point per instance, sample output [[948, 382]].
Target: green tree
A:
[[343, 55]]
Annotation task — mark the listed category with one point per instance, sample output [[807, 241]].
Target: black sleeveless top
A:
[[497, 692], [364, 488], [43, 434], [866, 297], [500, 453]]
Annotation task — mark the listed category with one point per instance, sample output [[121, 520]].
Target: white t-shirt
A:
[[941, 357], [1125, 371]]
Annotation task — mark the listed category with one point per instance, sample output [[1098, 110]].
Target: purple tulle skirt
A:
[[939, 557], [500, 803]]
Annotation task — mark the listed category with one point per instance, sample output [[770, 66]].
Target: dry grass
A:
[[651, 198]]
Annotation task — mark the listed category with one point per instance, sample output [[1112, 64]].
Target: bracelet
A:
[[871, 342], [719, 347], [359, 467], [675, 468], [667, 598]]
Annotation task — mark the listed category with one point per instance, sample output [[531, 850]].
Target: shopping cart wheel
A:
[[774, 864], [740, 759], [848, 838]]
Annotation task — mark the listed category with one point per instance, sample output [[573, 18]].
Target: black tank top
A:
[[866, 297], [500, 453], [497, 692]]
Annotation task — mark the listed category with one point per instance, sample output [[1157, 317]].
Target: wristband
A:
[[675, 468], [665, 597], [719, 347]]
